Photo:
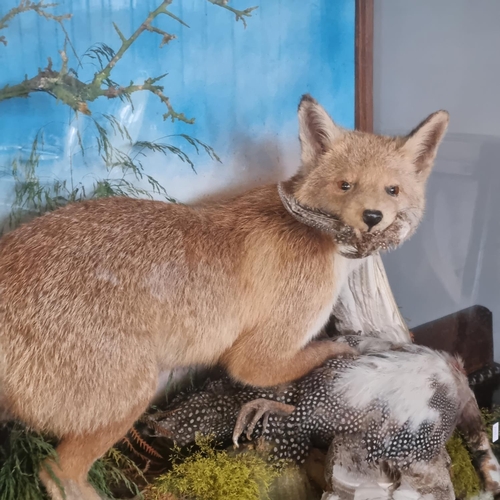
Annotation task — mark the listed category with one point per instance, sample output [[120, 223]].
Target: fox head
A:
[[361, 184]]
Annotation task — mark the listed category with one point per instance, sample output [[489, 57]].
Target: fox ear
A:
[[317, 131], [421, 144]]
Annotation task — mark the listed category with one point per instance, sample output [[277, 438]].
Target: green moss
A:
[[209, 474], [466, 481]]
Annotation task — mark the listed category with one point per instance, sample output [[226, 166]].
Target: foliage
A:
[[122, 174], [114, 471], [22, 455], [210, 474]]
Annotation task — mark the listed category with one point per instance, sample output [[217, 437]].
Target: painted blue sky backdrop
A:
[[241, 85]]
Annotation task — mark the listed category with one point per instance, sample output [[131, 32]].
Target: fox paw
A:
[[344, 351]]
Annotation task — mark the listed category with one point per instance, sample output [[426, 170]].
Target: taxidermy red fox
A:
[[98, 298]]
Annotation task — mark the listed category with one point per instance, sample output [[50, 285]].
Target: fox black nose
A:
[[372, 217]]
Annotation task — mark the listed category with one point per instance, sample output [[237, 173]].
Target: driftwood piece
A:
[[366, 304]]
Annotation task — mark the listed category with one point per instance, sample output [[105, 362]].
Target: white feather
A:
[[483, 496], [406, 492], [403, 380]]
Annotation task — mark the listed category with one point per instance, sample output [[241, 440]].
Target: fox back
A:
[[97, 298]]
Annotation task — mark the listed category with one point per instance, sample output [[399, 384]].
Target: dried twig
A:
[[127, 42], [39, 8], [66, 87], [64, 84], [239, 14]]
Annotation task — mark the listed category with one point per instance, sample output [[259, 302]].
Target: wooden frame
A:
[[364, 66]]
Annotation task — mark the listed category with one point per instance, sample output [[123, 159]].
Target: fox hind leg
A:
[[77, 453]]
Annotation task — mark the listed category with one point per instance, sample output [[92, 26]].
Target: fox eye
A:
[[344, 185], [392, 190]]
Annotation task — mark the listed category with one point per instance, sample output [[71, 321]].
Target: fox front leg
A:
[[265, 363]]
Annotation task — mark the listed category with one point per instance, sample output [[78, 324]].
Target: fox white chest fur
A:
[[97, 298]]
